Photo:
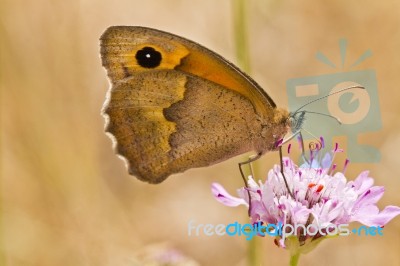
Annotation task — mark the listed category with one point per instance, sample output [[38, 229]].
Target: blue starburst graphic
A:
[[357, 109]]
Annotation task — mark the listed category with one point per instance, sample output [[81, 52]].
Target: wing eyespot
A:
[[148, 57]]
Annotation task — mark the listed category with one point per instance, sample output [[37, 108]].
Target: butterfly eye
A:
[[148, 57], [296, 121]]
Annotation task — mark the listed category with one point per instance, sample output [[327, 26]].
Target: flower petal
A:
[[371, 216], [362, 182], [224, 197], [371, 196], [326, 162]]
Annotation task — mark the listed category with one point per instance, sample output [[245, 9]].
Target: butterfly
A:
[[174, 104]]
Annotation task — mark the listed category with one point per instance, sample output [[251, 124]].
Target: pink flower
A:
[[321, 198]]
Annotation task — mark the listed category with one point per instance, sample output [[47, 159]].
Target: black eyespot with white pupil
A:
[[148, 57]]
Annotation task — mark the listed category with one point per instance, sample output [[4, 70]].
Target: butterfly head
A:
[[296, 121]]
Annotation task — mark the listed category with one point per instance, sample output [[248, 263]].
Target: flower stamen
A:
[[346, 163]]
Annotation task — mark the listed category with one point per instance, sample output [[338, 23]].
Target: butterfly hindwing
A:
[[163, 123]]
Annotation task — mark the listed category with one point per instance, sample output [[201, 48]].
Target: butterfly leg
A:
[[283, 175], [249, 161], [300, 136]]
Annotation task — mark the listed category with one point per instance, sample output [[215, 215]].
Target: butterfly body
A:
[[175, 105]]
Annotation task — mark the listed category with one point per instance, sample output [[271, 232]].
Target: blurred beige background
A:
[[67, 199]]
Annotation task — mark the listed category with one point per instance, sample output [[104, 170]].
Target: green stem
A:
[[254, 249], [240, 30], [294, 259]]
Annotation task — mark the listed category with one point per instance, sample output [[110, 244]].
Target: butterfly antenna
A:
[[331, 116], [330, 94]]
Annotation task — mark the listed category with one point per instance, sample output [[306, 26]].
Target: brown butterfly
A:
[[174, 105]]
